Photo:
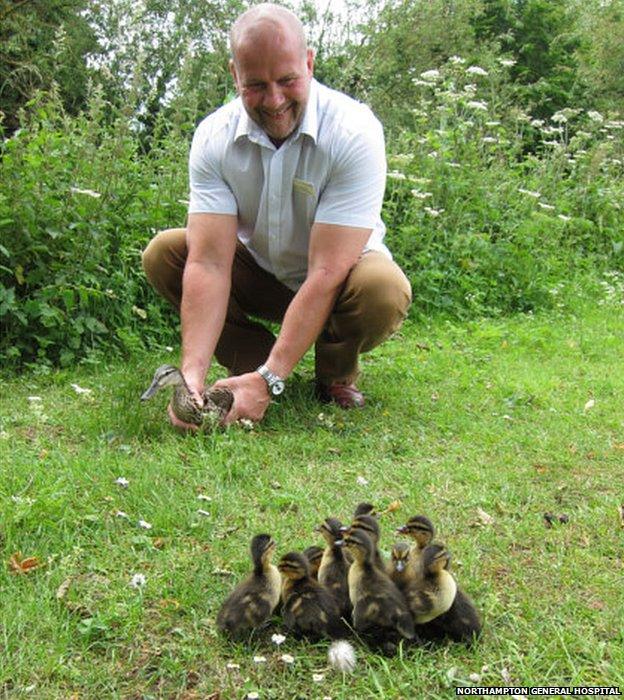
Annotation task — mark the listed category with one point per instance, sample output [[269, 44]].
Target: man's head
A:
[[272, 68]]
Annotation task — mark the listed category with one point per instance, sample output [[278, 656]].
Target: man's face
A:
[[273, 80]]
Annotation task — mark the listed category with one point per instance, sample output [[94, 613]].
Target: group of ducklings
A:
[[346, 585]]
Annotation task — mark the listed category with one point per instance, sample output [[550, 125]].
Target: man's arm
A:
[[211, 243], [334, 250]]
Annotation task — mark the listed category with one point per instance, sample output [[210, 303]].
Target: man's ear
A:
[[310, 61], [234, 74]]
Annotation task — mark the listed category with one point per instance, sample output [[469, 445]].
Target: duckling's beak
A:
[[401, 530], [340, 542], [153, 388], [399, 565], [344, 528]]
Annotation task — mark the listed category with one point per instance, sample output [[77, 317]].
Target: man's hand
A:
[[251, 397]]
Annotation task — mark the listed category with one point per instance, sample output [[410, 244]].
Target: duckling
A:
[[400, 563], [364, 509], [334, 566], [253, 601], [420, 529], [216, 402], [429, 587], [308, 608], [313, 554], [369, 525], [380, 613]]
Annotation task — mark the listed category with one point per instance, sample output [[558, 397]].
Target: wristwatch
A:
[[275, 383]]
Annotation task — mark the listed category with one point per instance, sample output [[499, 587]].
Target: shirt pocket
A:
[[305, 200]]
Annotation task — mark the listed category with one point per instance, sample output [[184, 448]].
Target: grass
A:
[[490, 415]]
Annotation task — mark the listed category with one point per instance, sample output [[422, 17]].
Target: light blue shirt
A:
[[331, 169]]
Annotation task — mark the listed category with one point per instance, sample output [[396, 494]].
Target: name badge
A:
[[304, 187]]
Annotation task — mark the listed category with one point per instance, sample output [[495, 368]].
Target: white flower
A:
[[529, 193], [477, 104], [205, 513], [168, 348], [287, 658], [589, 405], [489, 139], [259, 659], [246, 423], [318, 677], [432, 74], [433, 212], [121, 514], [121, 481], [203, 497], [476, 70], [34, 399], [138, 581], [80, 390], [421, 195], [474, 677], [470, 88], [537, 122], [507, 62], [396, 175], [362, 481], [563, 217], [278, 639], [457, 60], [595, 116], [417, 81], [559, 117], [90, 193], [145, 525], [547, 207], [492, 123], [253, 695], [232, 666]]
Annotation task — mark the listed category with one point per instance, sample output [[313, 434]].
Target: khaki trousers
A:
[[371, 305]]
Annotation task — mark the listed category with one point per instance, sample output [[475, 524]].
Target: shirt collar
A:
[[309, 124]]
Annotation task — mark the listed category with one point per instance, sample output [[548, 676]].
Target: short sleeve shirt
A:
[[331, 169]]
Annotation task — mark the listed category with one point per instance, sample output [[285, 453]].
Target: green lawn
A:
[[515, 417]]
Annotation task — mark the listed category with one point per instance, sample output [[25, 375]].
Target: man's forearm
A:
[[305, 318], [206, 290]]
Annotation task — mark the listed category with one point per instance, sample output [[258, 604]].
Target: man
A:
[[284, 224]]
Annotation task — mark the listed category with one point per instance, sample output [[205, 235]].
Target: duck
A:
[[313, 554], [380, 613], [334, 566], [461, 622], [421, 530], [369, 525], [253, 601], [216, 401], [427, 584], [308, 608]]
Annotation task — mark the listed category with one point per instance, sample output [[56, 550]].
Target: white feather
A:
[[341, 656]]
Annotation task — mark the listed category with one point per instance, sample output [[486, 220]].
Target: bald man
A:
[[284, 225]]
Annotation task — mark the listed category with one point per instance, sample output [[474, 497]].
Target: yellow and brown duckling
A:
[[429, 587], [334, 566], [308, 608], [216, 402], [420, 530], [314, 555], [370, 526], [253, 601], [380, 613]]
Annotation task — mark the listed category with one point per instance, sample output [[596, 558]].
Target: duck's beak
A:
[[399, 565], [148, 393]]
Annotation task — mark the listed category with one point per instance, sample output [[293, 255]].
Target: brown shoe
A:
[[345, 395]]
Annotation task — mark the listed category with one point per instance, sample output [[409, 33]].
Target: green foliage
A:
[[78, 204], [42, 43], [481, 227]]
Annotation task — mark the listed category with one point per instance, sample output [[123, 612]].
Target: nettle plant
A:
[[487, 207]]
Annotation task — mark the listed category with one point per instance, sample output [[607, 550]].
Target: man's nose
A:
[[273, 97]]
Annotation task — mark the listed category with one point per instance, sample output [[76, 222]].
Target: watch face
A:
[[277, 387]]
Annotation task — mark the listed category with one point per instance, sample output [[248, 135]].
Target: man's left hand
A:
[[251, 397]]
